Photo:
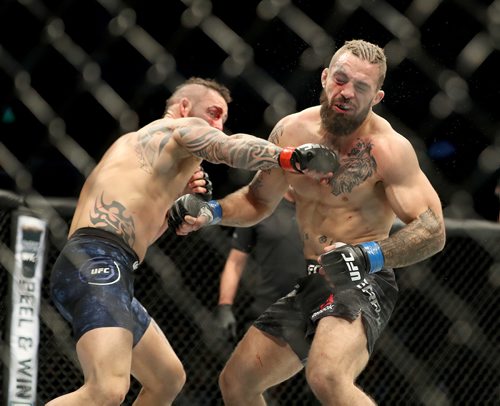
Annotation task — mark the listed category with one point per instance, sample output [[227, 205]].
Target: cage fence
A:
[[442, 344], [440, 347]]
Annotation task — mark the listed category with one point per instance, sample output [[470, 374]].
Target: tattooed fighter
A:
[[346, 224], [121, 211]]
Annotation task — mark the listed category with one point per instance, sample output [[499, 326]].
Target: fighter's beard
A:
[[338, 124]]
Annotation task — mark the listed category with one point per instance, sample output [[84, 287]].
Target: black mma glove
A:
[[315, 157], [224, 317], [194, 206], [207, 196], [347, 265]]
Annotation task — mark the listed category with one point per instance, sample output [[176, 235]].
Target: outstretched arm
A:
[[242, 208], [248, 152], [256, 201], [239, 150]]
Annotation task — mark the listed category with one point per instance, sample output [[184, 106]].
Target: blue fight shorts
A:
[[92, 284], [294, 317]]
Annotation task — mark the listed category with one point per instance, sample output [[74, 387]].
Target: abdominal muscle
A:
[[324, 225]]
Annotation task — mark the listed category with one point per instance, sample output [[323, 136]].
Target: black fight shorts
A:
[[294, 317], [92, 284]]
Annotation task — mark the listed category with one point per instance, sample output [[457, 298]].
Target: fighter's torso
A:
[[131, 189], [353, 207]]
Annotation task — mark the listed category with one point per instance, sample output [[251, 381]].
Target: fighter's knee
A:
[[178, 378], [225, 380], [110, 393], [229, 384], [168, 384], [324, 379]]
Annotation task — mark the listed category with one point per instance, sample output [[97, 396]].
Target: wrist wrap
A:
[[216, 210], [285, 159], [374, 254]]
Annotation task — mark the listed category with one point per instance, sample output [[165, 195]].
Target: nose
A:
[[347, 91], [217, 124]]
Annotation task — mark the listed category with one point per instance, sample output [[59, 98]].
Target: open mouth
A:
[[342, 107]]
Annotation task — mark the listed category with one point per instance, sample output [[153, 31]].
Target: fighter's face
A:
[[212, 108], [350, 91], [338, 121]]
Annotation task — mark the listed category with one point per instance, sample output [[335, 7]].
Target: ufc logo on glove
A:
[[353, 269]]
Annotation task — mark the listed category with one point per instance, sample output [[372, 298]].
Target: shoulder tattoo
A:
[[355, 168], [111, 217], [276, 134], [148, 147]]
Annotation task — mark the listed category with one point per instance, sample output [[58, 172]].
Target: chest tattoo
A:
[[355, 168]]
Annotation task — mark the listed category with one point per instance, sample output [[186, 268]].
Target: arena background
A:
[[74, 75]]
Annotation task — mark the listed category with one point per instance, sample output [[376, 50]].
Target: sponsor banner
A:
[[25, 307]]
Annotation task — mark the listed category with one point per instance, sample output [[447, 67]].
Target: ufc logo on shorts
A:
[[97, 271], [353, 269]]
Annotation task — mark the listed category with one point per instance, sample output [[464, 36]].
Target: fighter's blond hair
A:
[[366, 51]]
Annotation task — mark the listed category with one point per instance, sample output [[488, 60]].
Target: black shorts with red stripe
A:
[[294, 317]]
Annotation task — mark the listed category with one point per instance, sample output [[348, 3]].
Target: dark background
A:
[[441, 90], [75, 75]]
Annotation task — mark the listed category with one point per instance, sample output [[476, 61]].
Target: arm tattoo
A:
[[257, 182], [111, 217], [276, 134], [358, 166], [240, 150], [148, 148], [418, 240]]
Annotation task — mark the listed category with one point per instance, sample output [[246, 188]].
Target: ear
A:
[[378, 97], [185, 107], [324, 75]]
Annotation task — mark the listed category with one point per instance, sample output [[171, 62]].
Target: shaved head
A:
[[195, 88]]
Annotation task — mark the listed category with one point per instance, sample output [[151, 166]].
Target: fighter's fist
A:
[[313, 157], [347, 265], [194, 206]]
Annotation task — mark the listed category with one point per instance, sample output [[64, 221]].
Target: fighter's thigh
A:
[[262, 360], [339, 343], [105, 353], [154, 360]]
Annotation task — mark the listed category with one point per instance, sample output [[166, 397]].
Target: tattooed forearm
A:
[[418, 240], [239, 150], [111, 217]]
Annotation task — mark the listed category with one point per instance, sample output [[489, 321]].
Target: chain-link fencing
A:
[[440, 348]]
